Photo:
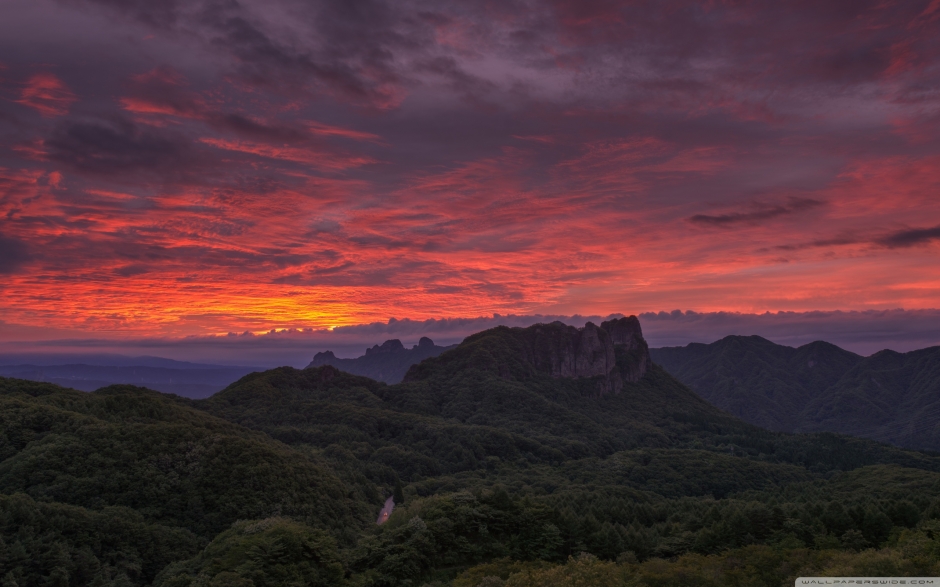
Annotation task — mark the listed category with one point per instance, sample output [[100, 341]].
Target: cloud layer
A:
[[864, 332], [195, 168]]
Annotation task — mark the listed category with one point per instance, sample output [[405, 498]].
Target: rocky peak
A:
[[320, 359], [633, 354], [566, 351], [389, 346], [609, 354], [625, 331], [425, 342]]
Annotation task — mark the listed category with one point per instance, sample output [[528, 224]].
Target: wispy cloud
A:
[[756, 212], [47, 94], [910, 237]]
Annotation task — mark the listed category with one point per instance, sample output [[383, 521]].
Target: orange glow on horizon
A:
[[575, 158]]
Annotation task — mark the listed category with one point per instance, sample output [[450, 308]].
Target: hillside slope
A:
[[891, 397], [761, 382]]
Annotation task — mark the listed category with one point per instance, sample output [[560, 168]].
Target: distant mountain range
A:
[[387, 362], [190, 380], [889, 396]]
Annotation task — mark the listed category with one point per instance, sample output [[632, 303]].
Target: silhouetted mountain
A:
[[761, 382], [517, 449], [388, 362], [100, 359], [191, 380], [891, 397]]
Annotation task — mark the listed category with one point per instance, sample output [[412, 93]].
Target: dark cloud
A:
[[758, 213], [118, 146], [473, 88], [900, 239], [131, 270], [164, 14], [256, 130], [13, 254], [352, 52], [910, 238]]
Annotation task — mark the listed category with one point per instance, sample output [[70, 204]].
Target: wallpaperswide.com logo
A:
[[806, 581]]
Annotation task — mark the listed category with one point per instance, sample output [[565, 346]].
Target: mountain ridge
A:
[[387, 362], [888, 396]]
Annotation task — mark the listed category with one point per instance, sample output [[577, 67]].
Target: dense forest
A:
[[540, 456]]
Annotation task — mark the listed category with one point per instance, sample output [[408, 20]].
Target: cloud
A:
[[13, 254], [759, 212], [117, 146], [352, 55], [47, 94], [319, 158], [312, 164], [910, 238]]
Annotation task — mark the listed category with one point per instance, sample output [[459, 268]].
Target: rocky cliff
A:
[[633, 354], [611, 354], [615, 350]]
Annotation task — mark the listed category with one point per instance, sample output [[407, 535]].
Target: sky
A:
[[215, 169]]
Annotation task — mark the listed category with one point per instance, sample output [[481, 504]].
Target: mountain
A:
[[890, 397], [99, 359], [190, 380], [388, 362], [761, 382], [513, 452]]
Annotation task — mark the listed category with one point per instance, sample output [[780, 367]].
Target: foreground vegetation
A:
[[505, 476]]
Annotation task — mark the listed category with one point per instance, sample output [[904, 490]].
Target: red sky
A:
[[202, 167]]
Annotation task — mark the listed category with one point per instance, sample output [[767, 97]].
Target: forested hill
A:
[[387, 362], [522, 455], [891, 397]]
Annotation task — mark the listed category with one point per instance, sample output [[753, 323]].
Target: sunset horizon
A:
[[171, 172]]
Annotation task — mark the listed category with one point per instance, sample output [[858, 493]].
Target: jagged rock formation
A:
[[566, 351], [387, 362], [615, 351], [389, 346], [612, 353], [633, 354]]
